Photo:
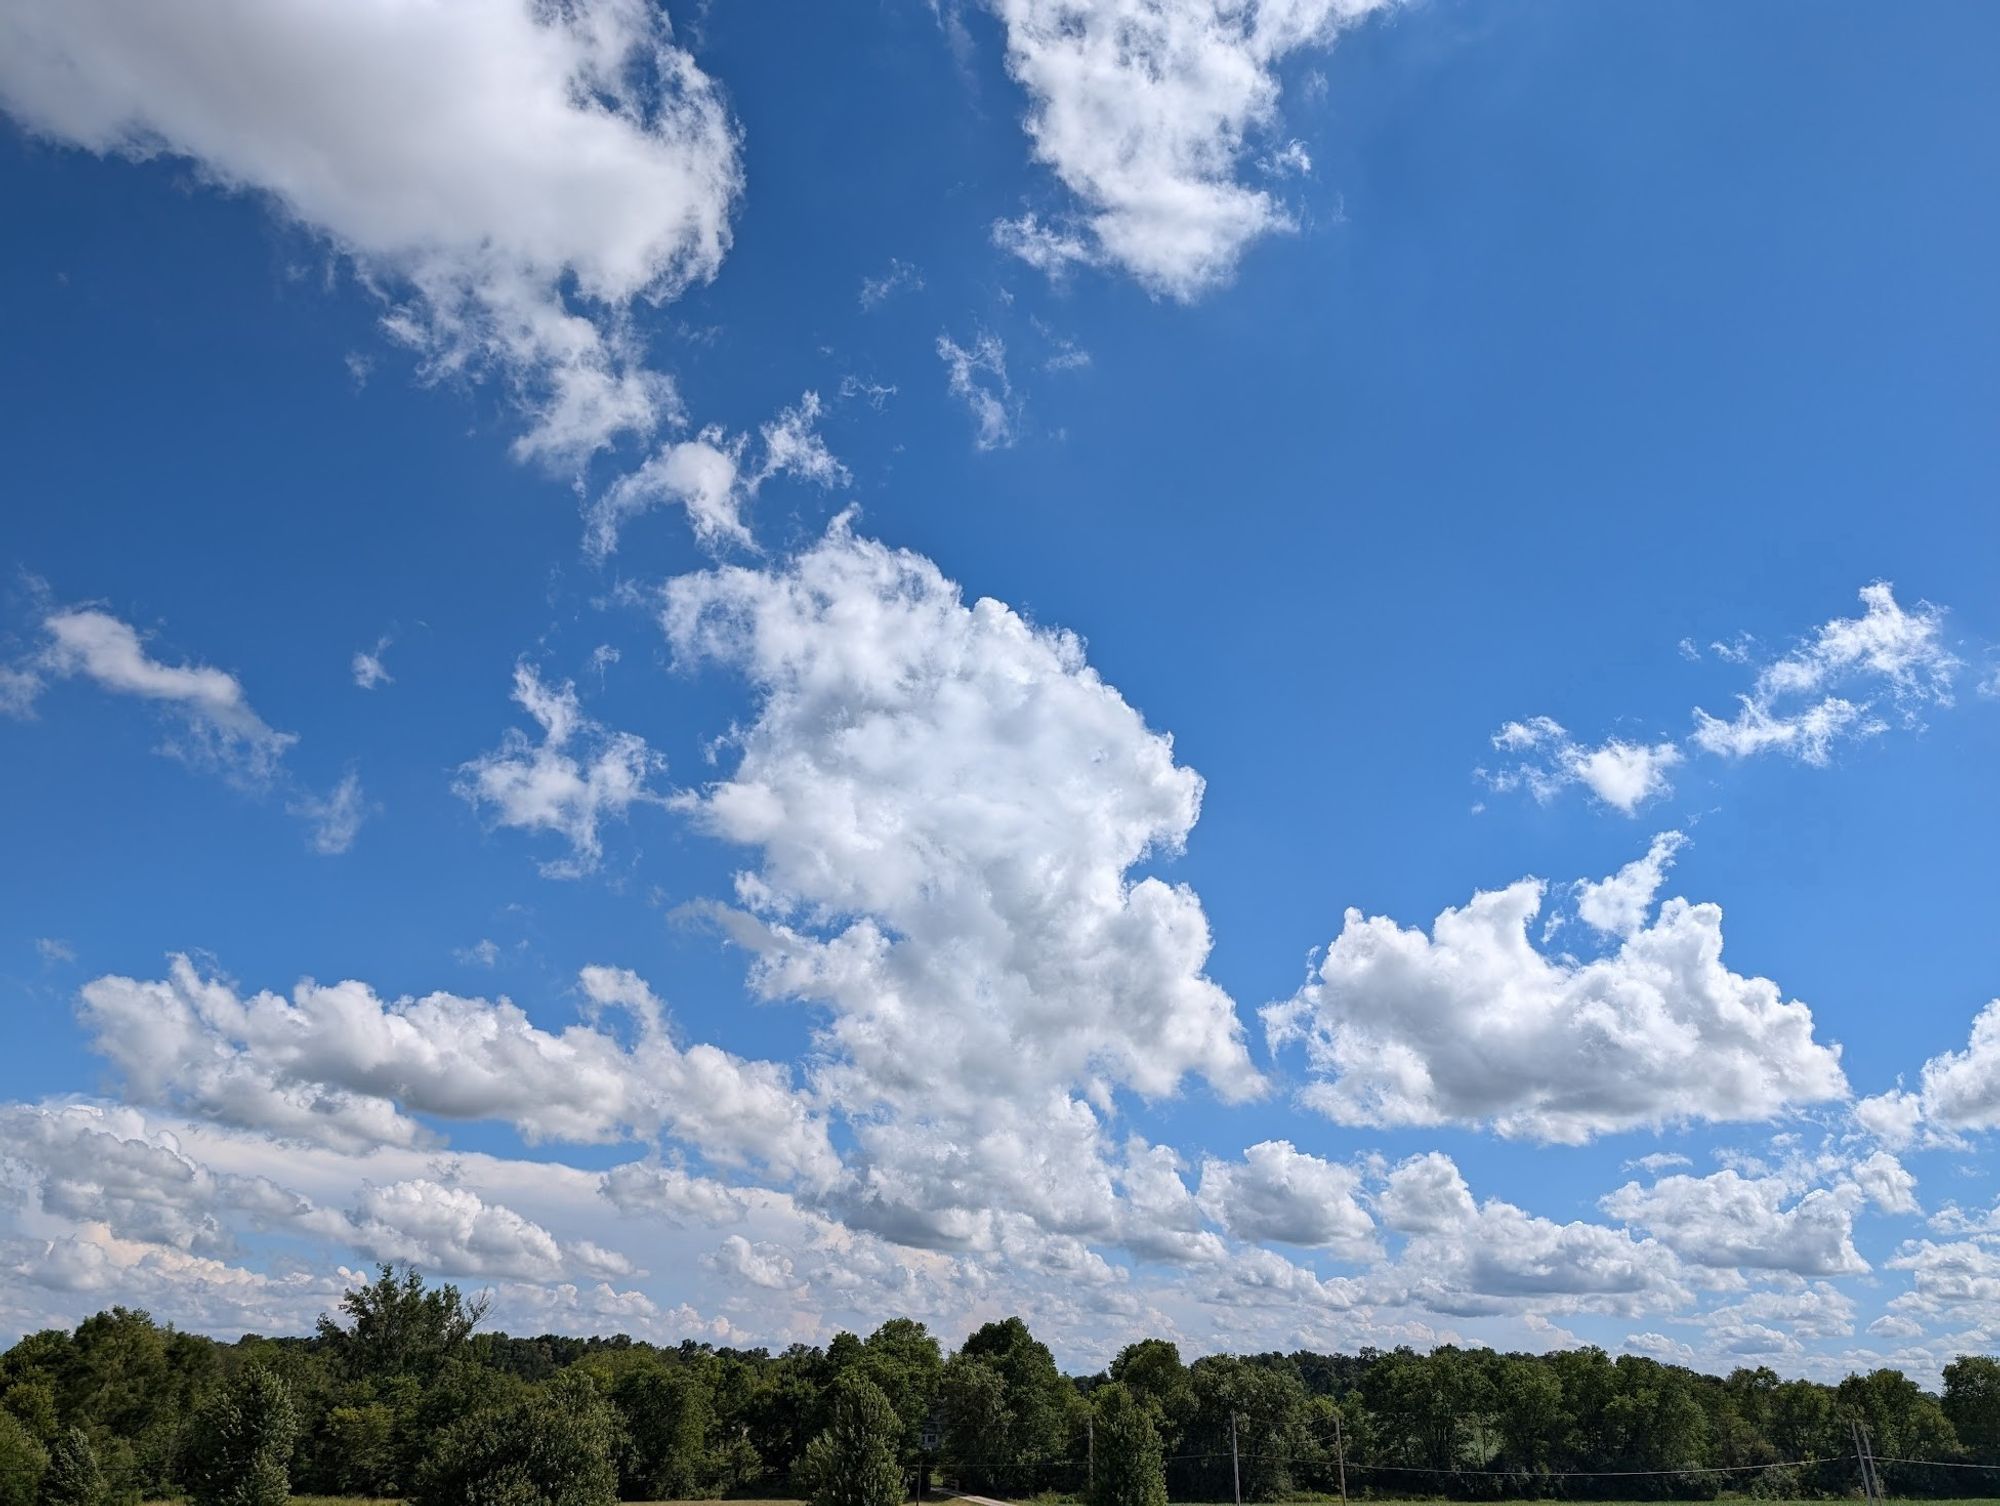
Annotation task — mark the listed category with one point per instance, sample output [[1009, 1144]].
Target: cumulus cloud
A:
[[1885, 651], [1468, 1258], [570, 163], [710, 477], [1891, 1117], [1279, 1193], [1473, 1024], [1886, 1183], [1726, 1221], [946, 802], [977, 376], [103, 1165], [1144, 111], [339, 1065], [578, 776], [215, 725], [455, 1232], [1961, 1089], [1619, 905], [1623, 775]]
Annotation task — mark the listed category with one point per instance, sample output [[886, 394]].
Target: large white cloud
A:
[[340, 1065], [516, 176], [1474, 1024], [1729, 1221], [1467, 1257], [1143, 109], [946, 803], [1279, 1193], [455, 1232], [1961, 1089]]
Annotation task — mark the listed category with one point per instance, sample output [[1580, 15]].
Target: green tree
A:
[[398, 1326], [1128, 1467], [240, 1442], [853, 1462], [904, 1361], [667, 1411], [22, 1462], [1007, 1409], [73, 1477], [358, 1449], [553, 1447], [1972, 1403]]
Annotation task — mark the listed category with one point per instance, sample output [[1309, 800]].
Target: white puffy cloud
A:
[[946, 803], [97, 1165], [1726, 1221], [455, 1232], [1886, 1183], [1619, 905], [1473, 1024], [1466, 1258], [515, 177], [216, 726], [341, 1066], [1961, 1089], [1279, 1193], [763, 1265], [1952, 1275], [1891, 1117], [579, 775], [977, 376], [1623, 775], [1144, 110], [708, 476], [1788, 709]]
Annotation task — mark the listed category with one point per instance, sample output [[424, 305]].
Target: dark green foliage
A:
[[73, 1477], [22, 1463], [398, 1326], [1008, 1412], [240, 1442], [668, 1413], [402, 1395], [1128, 1468], [1972, 1404], [553, 1447], [853, 1462], [357, 1452]]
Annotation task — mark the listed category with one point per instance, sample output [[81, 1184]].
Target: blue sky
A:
[[1359, 383]]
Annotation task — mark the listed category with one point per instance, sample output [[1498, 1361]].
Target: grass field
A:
[[938, 1500]]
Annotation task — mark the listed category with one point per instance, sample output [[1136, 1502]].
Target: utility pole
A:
[[1235, 1469], [1340, 1457], [1090, 1453], [1864, 1455]]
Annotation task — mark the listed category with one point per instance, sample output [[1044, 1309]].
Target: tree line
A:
[[400, 1394]]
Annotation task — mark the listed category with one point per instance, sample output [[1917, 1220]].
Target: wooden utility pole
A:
[[1090, 1453], [1340, 1457], [1235, 1469]]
